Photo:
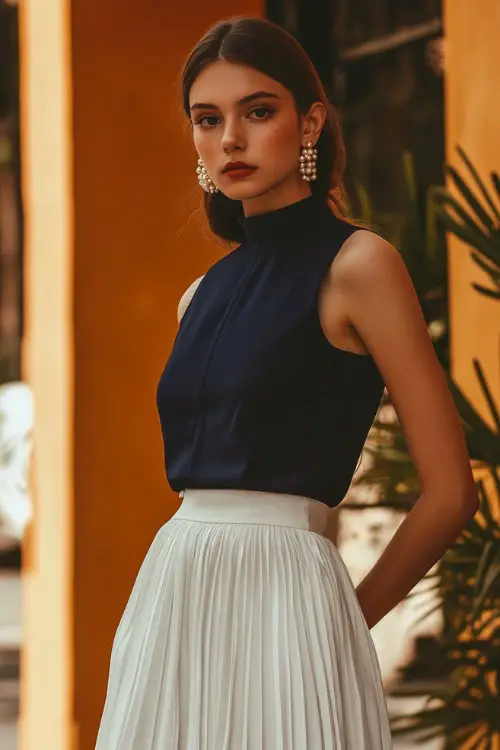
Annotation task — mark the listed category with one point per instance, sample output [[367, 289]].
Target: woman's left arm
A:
[[384, 309]]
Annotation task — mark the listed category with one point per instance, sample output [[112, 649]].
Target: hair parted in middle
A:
[[270, 49]]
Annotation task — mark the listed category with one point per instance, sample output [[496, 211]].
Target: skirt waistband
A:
[[253, 507]]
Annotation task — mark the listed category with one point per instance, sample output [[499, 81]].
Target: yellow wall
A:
[[110, 188], [473, 121], [47, 680], [472, 63]]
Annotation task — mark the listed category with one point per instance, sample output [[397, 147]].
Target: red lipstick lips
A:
[[236, 165], [238, 169]]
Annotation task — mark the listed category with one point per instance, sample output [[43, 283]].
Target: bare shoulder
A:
[[370, 279], [364, 259], [187, 297], [381, 304], [366, 277]]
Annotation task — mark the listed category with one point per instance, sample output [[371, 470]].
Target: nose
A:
[[232, 136]]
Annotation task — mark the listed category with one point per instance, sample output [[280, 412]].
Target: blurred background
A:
[[101, 232]]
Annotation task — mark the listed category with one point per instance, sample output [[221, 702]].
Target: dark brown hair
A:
[[270, 49]]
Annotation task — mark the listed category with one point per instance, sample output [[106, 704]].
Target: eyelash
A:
[[268, 110]]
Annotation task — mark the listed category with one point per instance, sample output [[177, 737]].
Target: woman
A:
[[243, 629]]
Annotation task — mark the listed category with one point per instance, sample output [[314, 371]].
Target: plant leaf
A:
[[487, 292], [487, 393], [470, 235], [469, 196], [491, 576], [479, 182], [483, 441], [495, 178], [492, 270], [482, 567], [435, 607], [446, 199]]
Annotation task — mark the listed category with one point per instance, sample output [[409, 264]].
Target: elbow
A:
[[462, 501], [470, 502]]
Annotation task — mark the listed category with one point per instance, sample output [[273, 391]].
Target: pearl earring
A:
[[204, 180], [307, 162]]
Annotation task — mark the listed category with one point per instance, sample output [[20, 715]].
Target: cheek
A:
[[282, 143], [204, 145]]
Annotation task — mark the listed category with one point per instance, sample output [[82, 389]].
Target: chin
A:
[[246, 191], [242, 192]]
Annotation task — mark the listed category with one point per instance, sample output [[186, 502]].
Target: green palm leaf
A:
[[479, 182], [487, 393], [486, 292], [491, 577], [488, 267], [471, 199], [495, 178], [467, 230], [466, 582]]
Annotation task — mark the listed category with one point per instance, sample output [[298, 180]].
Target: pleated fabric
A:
[[243, 632]]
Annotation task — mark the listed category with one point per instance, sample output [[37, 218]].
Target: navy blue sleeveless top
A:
[[253, 395]]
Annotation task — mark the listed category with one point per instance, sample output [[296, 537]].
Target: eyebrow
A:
[[245, 100]]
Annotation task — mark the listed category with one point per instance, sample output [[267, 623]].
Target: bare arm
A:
[[383, 307]]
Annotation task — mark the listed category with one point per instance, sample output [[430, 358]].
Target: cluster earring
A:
[[205, 181], [307, 162]]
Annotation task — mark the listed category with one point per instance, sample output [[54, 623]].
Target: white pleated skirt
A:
[[243, 632]]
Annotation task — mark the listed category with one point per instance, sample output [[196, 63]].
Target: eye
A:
[[206, 121], [262, 113]]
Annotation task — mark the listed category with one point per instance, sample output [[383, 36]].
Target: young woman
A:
[[243, 630]]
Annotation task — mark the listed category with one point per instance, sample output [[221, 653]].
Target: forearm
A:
[[428, 530]]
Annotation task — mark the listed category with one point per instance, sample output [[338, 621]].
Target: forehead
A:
[[223, 83]]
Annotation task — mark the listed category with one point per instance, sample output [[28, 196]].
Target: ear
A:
[[312, 123]]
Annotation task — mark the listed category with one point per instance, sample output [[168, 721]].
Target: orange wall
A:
[[112, 244], [473, 122], [136, 250]]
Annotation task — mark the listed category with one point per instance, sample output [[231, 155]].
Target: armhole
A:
[[187, 297], [325, 266]]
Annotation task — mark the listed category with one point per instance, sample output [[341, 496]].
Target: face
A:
[[241, 115]]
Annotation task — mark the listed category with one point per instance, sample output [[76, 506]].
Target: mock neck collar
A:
[[287, 225]]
